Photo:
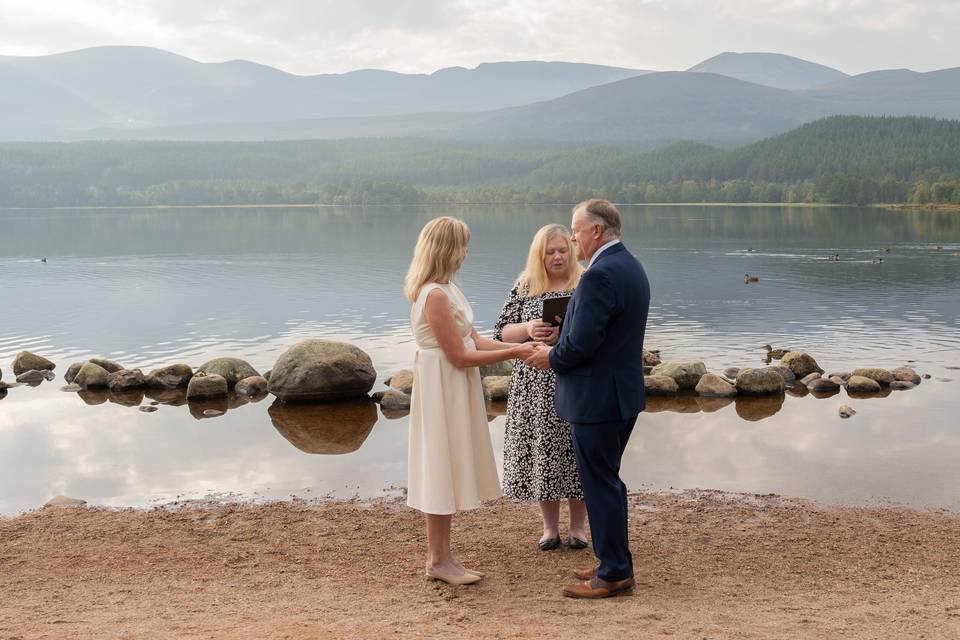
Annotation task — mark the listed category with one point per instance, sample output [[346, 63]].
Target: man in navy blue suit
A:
[[598, 360]]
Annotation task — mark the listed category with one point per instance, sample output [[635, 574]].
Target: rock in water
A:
[[901, 385], [207, 386], [731, 372], [862, 385], [72, 371], [497, 387], [685, 374], [651, 358], [92, 376], [233, 370], [125, 380], [26, 361], [713, 386], [846, 412], [32, 376], [906, 374], [148, 408], [71, 388], [322, 370], [823, 385], [394, 401], [173, 376], [807, 379], [504, 368], [403, 381], [252, 386], [760, 382], [657, 385], [800, 363], [882, 376], [785, 372], [109, 365]]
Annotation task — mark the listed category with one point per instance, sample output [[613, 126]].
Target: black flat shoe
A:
[[576, 543], [549, 544]]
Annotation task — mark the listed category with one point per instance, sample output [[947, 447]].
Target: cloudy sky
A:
[[330, 36]]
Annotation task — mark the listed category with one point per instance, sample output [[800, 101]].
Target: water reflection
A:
[[337, 273], [331, 429]]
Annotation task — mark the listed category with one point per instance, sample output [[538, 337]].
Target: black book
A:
[[553, 307]]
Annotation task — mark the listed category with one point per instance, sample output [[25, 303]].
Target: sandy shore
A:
[[708, 565]]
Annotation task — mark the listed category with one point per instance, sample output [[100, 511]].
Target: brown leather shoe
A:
[[585, 573], [598, 588]]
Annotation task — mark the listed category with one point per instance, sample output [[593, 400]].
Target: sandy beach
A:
[[708, 565]]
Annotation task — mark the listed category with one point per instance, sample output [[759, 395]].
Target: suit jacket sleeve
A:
[[596, 304]]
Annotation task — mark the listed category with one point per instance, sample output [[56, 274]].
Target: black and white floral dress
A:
[[538, 459]]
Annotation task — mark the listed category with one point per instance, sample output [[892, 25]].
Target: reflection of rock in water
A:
[[131, 398], [171, 397], [679, 403], [94, 396], [197, 407], [331, 428], [822, 394], [866, 395], [3, 393], [394, 414], [798, 390], [754, 408], [709, 405]]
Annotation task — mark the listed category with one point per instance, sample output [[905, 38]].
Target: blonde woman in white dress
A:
[[450, 464]]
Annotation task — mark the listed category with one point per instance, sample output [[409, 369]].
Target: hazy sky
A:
[[327, 36]]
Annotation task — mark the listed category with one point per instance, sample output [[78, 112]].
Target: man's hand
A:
[[540, 358]]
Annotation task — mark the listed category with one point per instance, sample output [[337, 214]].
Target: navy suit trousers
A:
[[599, 447]]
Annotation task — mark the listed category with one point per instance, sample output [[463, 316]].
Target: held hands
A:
[[540, 331], [540, 359], [525, 350]]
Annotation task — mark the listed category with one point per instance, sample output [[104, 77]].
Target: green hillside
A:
[[841, 159]]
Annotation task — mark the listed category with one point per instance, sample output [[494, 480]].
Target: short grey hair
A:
[[602, 212]]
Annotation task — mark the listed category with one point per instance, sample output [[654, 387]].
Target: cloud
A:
[[323, 36]]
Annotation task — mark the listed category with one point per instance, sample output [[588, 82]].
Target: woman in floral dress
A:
[[538, 460]]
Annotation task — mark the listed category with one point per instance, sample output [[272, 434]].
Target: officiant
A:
[[539, 464]]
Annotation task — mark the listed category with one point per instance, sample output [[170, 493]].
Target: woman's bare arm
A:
[[444, 327]]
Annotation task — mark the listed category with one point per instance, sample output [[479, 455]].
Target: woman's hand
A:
[[551, 339], [539, 330], [525, 350]]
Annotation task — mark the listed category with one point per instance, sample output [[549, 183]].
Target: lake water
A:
[[153, 287]]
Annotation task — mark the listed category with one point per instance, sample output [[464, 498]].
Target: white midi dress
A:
[[450, 463]]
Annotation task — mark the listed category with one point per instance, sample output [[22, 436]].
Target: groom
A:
[[598, 360]]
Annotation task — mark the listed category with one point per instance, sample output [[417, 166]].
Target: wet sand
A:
[[708, 565]]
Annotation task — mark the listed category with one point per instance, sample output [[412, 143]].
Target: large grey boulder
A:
[[882, 376], [403, 381], [685, 374], [92, 376], [173, 376], [656, 385], [760, 382], [322, 370], [26, 361], [125, 380], [504, 368], [497, 387], [205, 386], [861, 384], [233, 370], [713, 386], [802, 364], [906, 374]]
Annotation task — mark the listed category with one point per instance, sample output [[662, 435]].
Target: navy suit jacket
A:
[[598, 357]]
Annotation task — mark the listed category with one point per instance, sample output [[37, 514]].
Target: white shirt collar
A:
[[601, 250]]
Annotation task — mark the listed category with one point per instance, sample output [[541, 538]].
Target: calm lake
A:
[[154, 287]]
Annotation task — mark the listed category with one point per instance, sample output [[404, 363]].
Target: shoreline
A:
[[708, 564]]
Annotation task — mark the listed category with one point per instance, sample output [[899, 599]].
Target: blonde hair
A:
[[438, 255], [535, 278]]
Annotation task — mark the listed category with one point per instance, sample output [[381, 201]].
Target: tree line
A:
[[842, 159]]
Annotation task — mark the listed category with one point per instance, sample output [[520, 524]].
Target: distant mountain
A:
[[770, 69], [134, 87], [897, 92]]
